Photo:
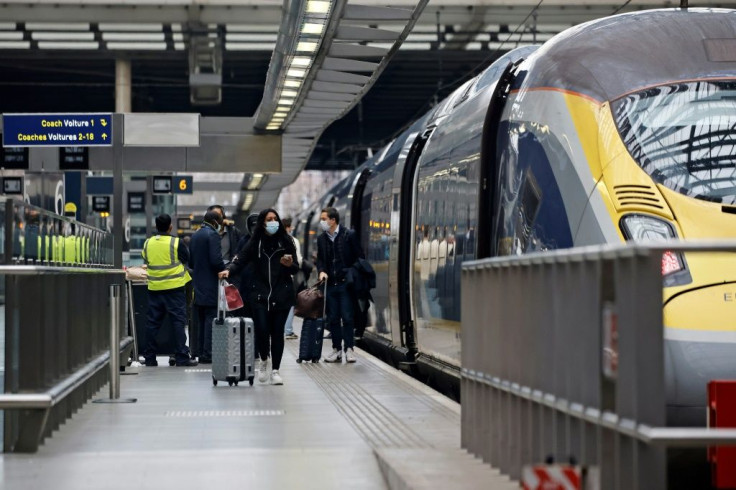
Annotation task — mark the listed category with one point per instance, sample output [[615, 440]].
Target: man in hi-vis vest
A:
[[165, 257]]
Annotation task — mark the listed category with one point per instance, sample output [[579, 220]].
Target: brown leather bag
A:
[[310, 303]]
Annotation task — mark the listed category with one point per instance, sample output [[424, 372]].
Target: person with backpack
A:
[[271, 254]]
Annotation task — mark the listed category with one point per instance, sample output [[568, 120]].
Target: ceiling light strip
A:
[[302, 30]]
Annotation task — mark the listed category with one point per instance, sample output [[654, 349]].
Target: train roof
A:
[[608, 58]]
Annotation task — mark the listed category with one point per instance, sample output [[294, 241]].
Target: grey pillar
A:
[[123, 92], [123, 104], [149, 205]]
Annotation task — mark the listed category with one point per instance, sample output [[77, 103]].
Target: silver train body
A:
[[532, 155]]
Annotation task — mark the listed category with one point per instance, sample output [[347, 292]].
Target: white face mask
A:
[[272, 227], [324, 225]]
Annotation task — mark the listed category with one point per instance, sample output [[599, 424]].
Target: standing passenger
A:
[[289, 329], [271, 290], [229, 234], [337, 251], [165, 257], [206, 262]]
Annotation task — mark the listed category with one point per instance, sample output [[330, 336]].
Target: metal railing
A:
[[54, 290], [34, 236], [57, 342], [563, 357]]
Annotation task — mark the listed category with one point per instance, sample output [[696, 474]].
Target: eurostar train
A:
[[622, 128]]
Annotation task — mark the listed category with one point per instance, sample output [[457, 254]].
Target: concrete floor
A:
[[347, 426]]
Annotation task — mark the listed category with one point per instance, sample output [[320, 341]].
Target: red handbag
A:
[[231, 295]]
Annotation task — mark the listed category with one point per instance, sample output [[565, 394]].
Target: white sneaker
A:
[[262, 371], [276, 378], [336, 356], [350, 355]]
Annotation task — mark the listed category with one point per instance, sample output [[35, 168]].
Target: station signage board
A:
[[184, 223], [101, 204], [162, 184], [183, 184], [137, 202], [57, 130], [13, 185], [74, 158], [14, 158]]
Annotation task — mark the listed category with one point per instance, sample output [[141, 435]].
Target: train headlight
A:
[[645, 228]]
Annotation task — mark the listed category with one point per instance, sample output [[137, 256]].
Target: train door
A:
[[306, 238], [488, 160], [356, 217], [402, 243]]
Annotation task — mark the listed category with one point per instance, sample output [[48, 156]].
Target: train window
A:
[[682, 135], [465, 91]]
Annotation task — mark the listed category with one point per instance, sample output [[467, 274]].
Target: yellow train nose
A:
[[700, 346]]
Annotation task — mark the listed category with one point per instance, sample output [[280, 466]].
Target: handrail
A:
[[663, 436], [564, 356], [60, 390], [38, 270], [604, 252]]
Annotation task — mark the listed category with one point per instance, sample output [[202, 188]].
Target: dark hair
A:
[[260, 229], [163, 221], [286, 222], [332, 214], [250, 223], [217, 206], [212, 217]]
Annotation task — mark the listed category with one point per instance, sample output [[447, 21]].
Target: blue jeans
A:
[[340, 307], [159, 304], [289, 327]]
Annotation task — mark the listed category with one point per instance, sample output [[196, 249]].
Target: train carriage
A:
[[619, 129]]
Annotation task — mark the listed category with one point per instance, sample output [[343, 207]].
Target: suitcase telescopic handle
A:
[[324, 303], [220, 299]]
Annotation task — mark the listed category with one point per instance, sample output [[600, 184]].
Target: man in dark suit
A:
[[337, 251], [206, 261]]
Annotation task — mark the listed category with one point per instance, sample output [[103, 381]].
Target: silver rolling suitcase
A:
[[232, 348]]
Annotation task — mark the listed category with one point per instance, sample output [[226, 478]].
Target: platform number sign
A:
[[183, 184]]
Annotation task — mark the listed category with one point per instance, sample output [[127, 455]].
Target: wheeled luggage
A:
[[313, 329], [232, 348]]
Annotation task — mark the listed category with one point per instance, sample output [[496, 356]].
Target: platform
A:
[[341, 426]]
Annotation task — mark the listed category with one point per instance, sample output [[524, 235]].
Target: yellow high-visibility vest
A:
[[71, 249], [165, 271]]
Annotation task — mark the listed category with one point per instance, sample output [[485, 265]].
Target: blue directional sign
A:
[[57, 130]]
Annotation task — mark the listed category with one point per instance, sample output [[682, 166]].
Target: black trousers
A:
[[159, 304], [269, 327], [205, 316]]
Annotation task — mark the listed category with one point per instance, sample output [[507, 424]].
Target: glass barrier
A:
[[38, 237]]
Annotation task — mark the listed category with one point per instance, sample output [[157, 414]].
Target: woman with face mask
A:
[[270, 292]]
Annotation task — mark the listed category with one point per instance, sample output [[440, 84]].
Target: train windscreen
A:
[[684, 136]]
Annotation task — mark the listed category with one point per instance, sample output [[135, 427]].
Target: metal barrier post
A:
[[115, 309], [115, 290]]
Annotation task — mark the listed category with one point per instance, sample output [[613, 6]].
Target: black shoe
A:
[[188, 363], [152, 363], [205, 360]]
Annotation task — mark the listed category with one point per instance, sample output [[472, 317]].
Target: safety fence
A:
[[563, 358], [34, 236], [55, 309]]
